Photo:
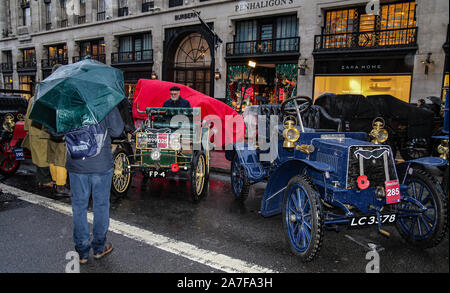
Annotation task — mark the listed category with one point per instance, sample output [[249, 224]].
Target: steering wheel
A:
[[303, 103]]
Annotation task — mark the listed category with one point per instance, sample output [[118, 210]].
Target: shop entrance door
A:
[[192, 63]]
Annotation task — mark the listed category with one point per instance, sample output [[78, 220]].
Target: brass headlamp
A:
[[8, 123], [443, 149], [379, 134], [290, 134]]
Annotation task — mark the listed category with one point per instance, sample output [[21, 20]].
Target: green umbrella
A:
[[77, 95]]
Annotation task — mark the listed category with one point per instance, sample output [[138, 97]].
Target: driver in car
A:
[[175, 100]]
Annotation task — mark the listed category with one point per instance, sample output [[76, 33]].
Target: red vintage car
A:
[[154, 148], [12, 113]]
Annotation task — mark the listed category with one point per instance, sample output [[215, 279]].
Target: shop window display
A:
[[7, 82], [266, 84], [27, 83], [398, 86], [129, 90]]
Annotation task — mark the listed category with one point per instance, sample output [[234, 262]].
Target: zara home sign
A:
[[361, 68], [245, 5]]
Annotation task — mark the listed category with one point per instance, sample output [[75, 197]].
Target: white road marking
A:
[[210, 258]]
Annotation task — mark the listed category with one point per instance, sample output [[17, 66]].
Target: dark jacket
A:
[[103, 161], [180, 103]]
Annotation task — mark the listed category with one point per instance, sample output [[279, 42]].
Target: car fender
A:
[[272, 202], [248, 158], [403, 167], [429, 161], [18, 134], [124, 144]]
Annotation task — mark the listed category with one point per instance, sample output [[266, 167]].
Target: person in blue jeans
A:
[[93, 176]]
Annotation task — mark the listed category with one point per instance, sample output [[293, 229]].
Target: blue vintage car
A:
[[320, 178], [443, 137]]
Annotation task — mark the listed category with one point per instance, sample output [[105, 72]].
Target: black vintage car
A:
[[410, 128]]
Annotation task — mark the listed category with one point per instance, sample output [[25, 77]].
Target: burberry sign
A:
[[186, 15]]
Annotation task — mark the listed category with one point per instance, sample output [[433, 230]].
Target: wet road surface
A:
[[217, 224]]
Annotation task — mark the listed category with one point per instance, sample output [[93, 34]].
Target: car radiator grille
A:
[[328, 159], [373, 165]]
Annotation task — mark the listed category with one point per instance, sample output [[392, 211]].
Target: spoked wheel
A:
[[199, 177], [122, 176], [423, 211], [415, 148], [445, 182], [8, 163], [303, 218], [239, 180]]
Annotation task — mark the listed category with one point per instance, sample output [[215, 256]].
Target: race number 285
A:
[[392, 191]]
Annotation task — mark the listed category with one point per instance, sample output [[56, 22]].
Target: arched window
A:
[[192, 63], [193, 52]]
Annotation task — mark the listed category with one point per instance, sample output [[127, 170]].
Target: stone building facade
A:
[[303, 46]]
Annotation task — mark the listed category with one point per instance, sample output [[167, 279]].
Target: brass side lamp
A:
[[379, 134]]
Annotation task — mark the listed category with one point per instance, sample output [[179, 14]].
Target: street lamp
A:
[[217, 74], [303, 66], [427, 62], [251, 64]]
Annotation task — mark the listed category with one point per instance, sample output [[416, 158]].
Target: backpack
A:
[[85, 142]]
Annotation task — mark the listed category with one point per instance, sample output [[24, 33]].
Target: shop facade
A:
[[273, 45], [367, 54], [301, 47], [359, 74]]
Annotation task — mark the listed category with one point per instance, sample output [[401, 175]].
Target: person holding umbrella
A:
[[73, 97], [93, 174]]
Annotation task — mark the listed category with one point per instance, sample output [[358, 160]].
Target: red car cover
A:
[[153, 93]]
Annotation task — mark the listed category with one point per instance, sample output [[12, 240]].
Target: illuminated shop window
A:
[[58, 53], [8, 81], [266, 84], [398, 86], [129, 90], [26, 83]]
